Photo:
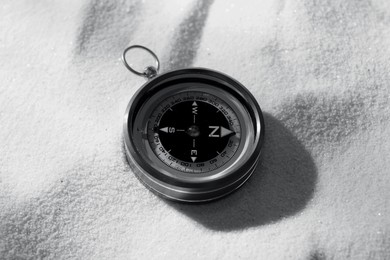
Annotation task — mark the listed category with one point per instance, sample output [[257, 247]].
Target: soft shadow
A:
[[280, 187], [106, 26], [187, 37]]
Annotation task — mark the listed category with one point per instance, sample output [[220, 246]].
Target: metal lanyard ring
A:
[[149, 71]]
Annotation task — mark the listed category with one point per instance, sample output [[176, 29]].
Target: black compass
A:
[[193, 134]]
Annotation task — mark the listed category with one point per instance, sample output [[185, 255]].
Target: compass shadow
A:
[[281, 186]]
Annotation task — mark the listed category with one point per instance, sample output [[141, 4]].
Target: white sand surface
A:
[[320, 70]]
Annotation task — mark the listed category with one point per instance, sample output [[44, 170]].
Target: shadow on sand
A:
[[281, 186]]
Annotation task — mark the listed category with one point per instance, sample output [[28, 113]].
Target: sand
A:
[[319, 70]]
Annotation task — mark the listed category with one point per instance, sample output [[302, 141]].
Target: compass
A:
[[192, 134]]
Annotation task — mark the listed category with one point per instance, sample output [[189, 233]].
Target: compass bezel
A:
[[196, 187]]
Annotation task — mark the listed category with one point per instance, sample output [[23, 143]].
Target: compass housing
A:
[[184, 186]]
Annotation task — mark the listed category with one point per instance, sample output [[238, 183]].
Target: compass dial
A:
[[194, 132]]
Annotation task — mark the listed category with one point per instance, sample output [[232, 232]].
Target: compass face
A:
[[194, 132]]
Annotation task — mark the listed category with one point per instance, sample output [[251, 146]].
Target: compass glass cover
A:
[[193, 134]]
